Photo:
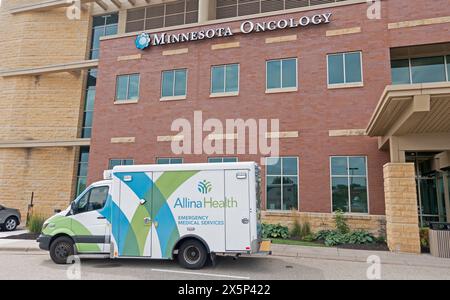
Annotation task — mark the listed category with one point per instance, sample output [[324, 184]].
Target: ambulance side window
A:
[[94, 199], [98, 197]]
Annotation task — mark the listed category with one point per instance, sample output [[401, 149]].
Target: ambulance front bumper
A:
[[44, 242]]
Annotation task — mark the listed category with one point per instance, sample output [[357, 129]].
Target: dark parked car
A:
[[9, 218]]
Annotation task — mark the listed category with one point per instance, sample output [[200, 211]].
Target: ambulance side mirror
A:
[[73, 208]]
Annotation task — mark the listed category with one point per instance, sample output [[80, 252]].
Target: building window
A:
[[169, 161], [234, 8], [102, 26], [120, 162], [420, 70], [174, 83], [282, 183], [127, 87], [222, 159], [349, 184], [345, 68], [225, 79], [281, 74], [83, 164], [89, 104], [162, 15]]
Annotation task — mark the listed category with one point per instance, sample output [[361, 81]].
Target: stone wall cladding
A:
[[47, 107], [402, 220]]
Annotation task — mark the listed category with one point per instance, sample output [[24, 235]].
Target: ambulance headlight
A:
[[48, 225]]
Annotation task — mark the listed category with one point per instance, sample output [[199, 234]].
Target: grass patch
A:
[[296, 243]]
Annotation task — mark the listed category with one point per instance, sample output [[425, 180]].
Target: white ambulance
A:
[[188, 211]]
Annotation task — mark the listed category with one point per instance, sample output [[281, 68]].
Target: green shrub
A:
[[309, 238], [275, 231], [35, 224], [424, 237], [296, 231], [305, 230], [360, 237], [334, 237], [341, 223], [300, 231], [322, 235]]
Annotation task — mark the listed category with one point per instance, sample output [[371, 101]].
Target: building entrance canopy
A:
[[412, 118]]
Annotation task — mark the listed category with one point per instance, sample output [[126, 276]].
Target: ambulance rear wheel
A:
[[192, 255], [61, 249]]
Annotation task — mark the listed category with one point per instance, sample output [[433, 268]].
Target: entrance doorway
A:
[[432, 189]]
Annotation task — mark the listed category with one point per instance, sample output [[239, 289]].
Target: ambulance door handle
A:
[[101, 218]]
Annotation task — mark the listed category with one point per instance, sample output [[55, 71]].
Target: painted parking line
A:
[[201, 274]]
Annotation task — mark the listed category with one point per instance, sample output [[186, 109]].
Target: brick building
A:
[[361, 91]]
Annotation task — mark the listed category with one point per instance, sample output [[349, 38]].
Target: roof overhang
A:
[[44, 143], [58, 68], [412, 109]]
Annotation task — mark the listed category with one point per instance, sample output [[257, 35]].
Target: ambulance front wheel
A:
[[192, 255], [61, 250]]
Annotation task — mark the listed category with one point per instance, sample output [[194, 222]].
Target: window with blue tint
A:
[[222, 159], [83, 164], [89, 104], [133, 89], [225, 79], [336, 69], [127, 87], [344, 68], [400, 70], [174, 83], [281, 74], [180, 83], [120, 162], [420, 70], [447, 59], [428, 69], [102, 26], [353, 67], [282, 183], [169, 161], [349, 187]]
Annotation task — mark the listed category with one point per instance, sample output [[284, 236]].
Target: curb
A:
[[19, 249], [390, 261]]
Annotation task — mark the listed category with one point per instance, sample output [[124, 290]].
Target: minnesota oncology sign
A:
[[145, 40]]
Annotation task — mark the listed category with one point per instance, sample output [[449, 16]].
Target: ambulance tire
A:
[[61, 249], [192, 255]]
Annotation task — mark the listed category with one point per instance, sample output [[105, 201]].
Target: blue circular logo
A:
[[142, 41]]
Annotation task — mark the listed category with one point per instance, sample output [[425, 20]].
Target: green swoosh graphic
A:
[[164, 187]]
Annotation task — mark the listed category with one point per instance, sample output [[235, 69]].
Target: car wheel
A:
[[11, 224], [61, 249], [192, 255]]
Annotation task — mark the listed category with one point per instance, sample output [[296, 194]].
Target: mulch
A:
[[370, 247]]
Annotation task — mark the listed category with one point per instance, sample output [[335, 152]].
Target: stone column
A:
[[205, 10], [402, 220]]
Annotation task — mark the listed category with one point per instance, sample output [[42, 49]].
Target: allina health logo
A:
[[205, 187]]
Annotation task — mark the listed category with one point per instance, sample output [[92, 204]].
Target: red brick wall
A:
[[313, 110]]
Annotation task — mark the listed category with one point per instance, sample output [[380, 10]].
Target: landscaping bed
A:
[[369, 247], [341, 236]]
